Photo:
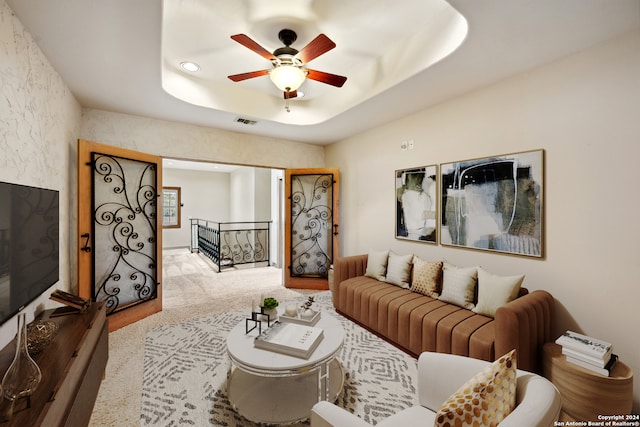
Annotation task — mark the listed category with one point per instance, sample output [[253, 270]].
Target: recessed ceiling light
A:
[[190, 66]]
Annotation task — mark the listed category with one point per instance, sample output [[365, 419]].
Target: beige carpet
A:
[[191, 289], [186, 369]]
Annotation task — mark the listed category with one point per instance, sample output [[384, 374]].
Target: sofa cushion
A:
[[494, 291], [399, 270], [427, 277], [458, 285], [489, 396], [377, 264]]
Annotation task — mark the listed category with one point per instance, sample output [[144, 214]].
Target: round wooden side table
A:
[[586, 394]]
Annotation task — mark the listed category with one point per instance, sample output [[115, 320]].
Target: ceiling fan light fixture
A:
[[287, 77]]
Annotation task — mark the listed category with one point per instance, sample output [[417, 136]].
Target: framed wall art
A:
[[417, 204], [494, 203]]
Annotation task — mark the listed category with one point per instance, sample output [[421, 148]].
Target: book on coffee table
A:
[[290, 338]]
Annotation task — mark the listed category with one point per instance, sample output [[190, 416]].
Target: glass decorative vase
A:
[[23, 375]]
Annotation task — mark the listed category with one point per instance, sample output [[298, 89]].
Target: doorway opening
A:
[[223, 194]]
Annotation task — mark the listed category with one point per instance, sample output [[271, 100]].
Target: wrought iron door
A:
[[123, 246], [311, 232], [125, 204]]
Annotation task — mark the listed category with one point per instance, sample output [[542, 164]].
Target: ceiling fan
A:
[[289, 65]]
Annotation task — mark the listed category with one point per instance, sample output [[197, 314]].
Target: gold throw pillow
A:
[[485, 400]]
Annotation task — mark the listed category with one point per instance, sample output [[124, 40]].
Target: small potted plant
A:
[[269, 306]]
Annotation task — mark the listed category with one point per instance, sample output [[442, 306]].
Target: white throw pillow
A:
[[399, 270], [377, 264], [494, 291], [458, 285]]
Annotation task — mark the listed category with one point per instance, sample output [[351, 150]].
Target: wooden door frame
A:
[[85, 225], [302, 282]]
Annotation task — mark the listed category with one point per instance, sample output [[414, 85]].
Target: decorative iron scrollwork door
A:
[[125, 204], [311, 231], [119, 231]]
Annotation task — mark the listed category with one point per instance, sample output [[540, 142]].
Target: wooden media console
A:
[[72, 366]]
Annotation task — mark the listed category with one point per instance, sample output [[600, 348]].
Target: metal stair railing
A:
[[229, 244]]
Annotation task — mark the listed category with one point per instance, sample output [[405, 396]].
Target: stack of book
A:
[[290, 338], [74, 303], [587, 352]]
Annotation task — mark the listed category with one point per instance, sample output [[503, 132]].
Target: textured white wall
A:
[[583, 111], [184, 141], [39, 121]]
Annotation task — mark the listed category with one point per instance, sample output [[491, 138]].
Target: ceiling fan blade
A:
[[247, 42], [250, 75], [291, 94], [328, 78], [315, 48]]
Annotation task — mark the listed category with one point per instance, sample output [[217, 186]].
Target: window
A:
[[171, 207]]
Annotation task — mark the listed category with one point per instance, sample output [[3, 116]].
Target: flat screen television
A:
[[29, 247]]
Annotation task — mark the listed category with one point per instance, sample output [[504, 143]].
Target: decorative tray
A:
[[299, 320]]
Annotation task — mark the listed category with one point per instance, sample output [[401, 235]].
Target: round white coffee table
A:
[[273, 388]]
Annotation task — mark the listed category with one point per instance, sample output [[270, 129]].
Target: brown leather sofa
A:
[[417, 323]]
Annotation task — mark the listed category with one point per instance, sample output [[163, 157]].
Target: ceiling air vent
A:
[[245, 121]]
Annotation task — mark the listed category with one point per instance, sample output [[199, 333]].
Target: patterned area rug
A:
[[185, 370]]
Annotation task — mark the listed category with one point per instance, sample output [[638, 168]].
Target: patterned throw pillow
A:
[[494, 291], [399, 269], [458, 285], [377, 264], [485, 400], [427, 277]]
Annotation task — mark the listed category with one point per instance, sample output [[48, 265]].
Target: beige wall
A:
[[583, 111], [243, 200], [263, 197], [204, 195], [39, 122], [185, 141]]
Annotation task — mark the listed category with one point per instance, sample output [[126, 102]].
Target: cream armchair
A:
[[439, 376]]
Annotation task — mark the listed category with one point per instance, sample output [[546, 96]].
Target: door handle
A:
[[86, 247], [335, 229]]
